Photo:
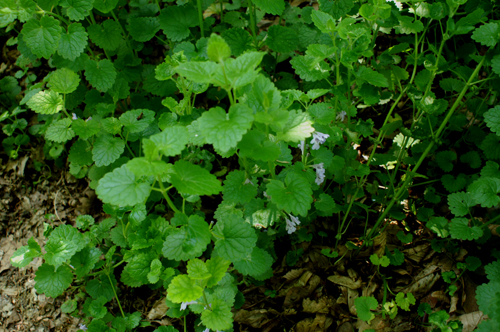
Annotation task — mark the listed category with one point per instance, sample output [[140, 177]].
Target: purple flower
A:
[[341, 116], [82, 326], [185, 304], [74, 117], [291, 225], [320, 173], [302, 146], [318, 138]]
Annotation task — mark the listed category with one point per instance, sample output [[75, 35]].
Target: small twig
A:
[[55, 207]]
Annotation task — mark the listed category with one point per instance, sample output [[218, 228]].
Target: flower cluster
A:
[[320, 173], [291, 225], [318, 138], [185, 304]]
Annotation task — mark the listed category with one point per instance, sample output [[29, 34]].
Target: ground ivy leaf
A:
[[194, 180], [491, 147], [281, 39], [189, 241], [326, 205], [217, 267], [219, 317], [239, 40], [60, 131], [495, 64], [405, 302], [121, 188], [310, 68], [225, 130], [155, 271], [183, 289], [73, 42], [493, 271], [175, 21], [107, 149], [200, 72], [171, 141], [139, 267], [84, 260], [364, 305], [235, 239], [105, 6], [323, 113], [63, 243], [80, 154], [323, 21], [106, 35], [255, 145], [64, 81], [336, 8], [137, 120], [298, 128], [142, 29], [217, 48], [46, 102], [85, 128], [258, 262], [100, 74], [43, 36], [445, 159], [372, 77], [143, 166], [492, 119], [50, 282], [236, 189], [487, 34], [460, 229], [453, 184], [77, 10], [275, 7], [485, 191], [197, 269], [294, 196], [24, 255]]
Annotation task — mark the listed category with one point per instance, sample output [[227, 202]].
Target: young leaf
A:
[[73, 42], [137, 120], [85, 260], [257, 263], [382, 261], [46, 102], [217, 267], [405, 302], [86, 128], [183, 289], [43, 36], [121, 188], [217, 48], [298, 128], [310, 68], [106, 35], [487, 34], [364, 305], [175, 21], [155, 271], [459, 203], [460, 229], [281, 39], [107, 149], [323, 21], [60, 131], [77, 10], [218, 317], [24, 255], [171, 141], [372, 77], [194, 180], [294, 196], [100, 74], [199, 72], [235, 238], [255, 145], [50, 282], [187, 242], [236, 189], [197, 269], [405, 238], [63, 243], [64, 81]]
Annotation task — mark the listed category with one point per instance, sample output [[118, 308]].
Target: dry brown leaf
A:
[[254, 318], [322, 306], [417, 253], [471, 320], [345, 281], [422, 286], [159, 309], [293, 274]]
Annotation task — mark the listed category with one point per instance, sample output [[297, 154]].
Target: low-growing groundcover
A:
[[217, 132]]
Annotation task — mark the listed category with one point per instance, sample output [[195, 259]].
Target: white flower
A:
[[341, 116], [320, 173], [291, 224], [265, 194], [318, 138], [90, 118], [185, 304], [247, 181], [82, 326], [302, 146], [74, 117], [397, 3]]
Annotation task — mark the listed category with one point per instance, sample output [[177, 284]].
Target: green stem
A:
[[165, 195], [200, 18], [123, 31], [253, 24], [116, 296]]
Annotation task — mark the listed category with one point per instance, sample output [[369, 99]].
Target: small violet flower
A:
[[320, 173], [247, 181], [302, 146], [185, 304], [397, 3], [82, 326], [291, 225], [341, 116], [318, 138], [90, 118], [74, 117]]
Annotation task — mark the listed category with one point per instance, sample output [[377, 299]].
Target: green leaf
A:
[[73, 42], [97, 309], [326, 205], [43, 36], [382, 261], [106, 35], [372, 77], [218, 317], [77, 10], [142, 29], [491, 147], [171, 141], [183, 289], [235, 239], [100, 74], [255, 264], [189, 241], [175, 21], [336, 8], [459, 203], [323, 21], [439, 225], [69, 306], [63, 243], [405, 238], [121, 188], [364, 305], [107, 149], [294, 196], [492, 119], [445, 159], [495, 64], [137, 120], [155, 271], [323, 113], [24, 255], [64, 81], [310, 68], [46, 102], [105, 6], [60, 131], [239, 40], [225, 130], [397, 258], [200, 72], [217, 267], [453, 185], [255, 145], [451, 84], [407, 25], [487, 34], [138, 269], [197, 270], [275, 7], [459, 229], [485, 191], [493, 271], [85, 260], [50, 282], [298, 127], [86, 128], [194, 180], [80, 154], [236, 189], [142, 166], [217, 48], [281, 39], [404, 302], [240, 71], [101, 286]]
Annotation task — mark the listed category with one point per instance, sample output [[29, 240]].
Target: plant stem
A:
[[200, 18], [253, 23], [116, 296], [165, 194]]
